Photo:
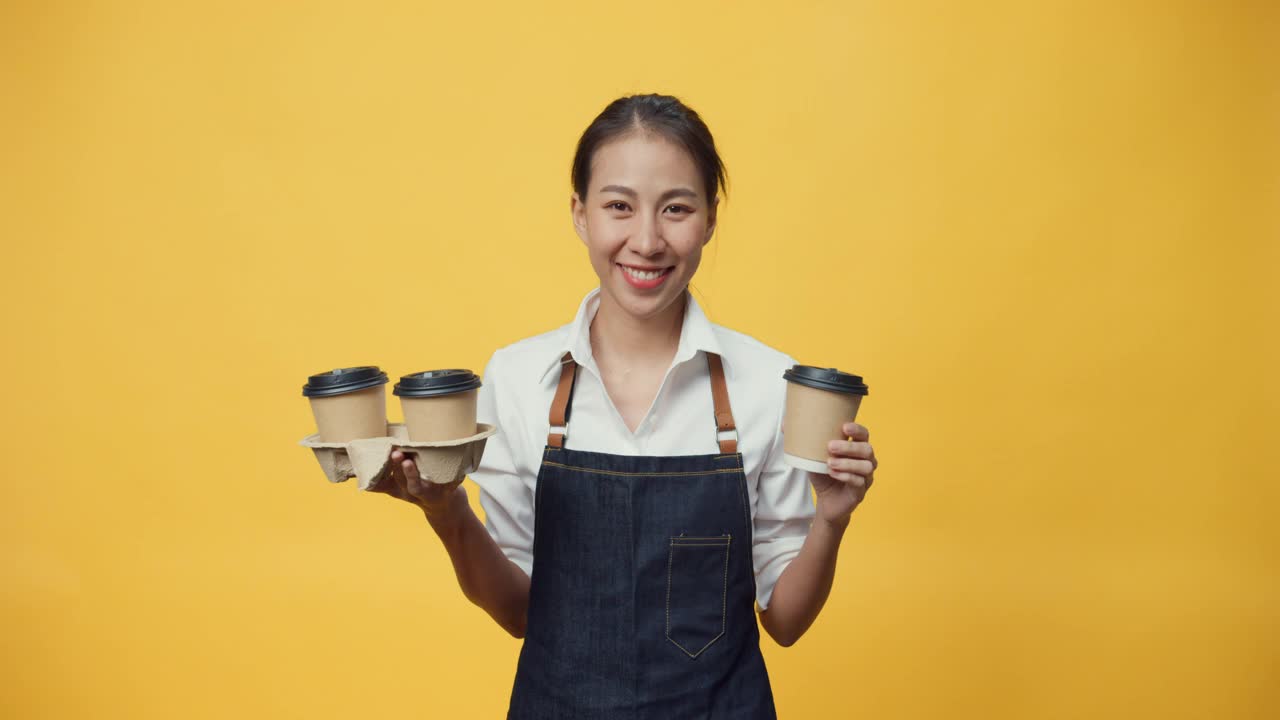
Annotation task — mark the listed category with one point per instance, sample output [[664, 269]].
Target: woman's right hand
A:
[[436, 500]]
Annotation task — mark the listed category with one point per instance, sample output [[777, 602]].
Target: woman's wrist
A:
[[447, 518], [833, 527]]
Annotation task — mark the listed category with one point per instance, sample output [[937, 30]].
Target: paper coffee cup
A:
[[349, 403], [819, 402], [439, 404]]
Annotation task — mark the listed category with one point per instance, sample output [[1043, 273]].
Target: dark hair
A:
[[661, 114]]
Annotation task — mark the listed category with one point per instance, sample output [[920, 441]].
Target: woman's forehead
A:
[[643, 164]]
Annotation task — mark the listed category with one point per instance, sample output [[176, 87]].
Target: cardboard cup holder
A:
[[369, 459]]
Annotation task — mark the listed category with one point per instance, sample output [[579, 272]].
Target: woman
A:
[[643, 443]]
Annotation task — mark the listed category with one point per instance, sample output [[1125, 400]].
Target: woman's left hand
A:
[[853, 464]]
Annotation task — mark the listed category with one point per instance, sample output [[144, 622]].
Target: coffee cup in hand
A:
[[819, 402]]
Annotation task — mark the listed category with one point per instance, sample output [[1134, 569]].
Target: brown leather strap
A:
[[719, 397], [560, 405], [724, 413]]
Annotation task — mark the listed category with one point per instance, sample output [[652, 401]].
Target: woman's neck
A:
[[621, 340]]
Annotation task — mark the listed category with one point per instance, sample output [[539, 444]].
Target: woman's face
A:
[[644, 221]]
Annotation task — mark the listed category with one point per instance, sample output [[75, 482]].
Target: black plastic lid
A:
[[431, 383], [344, 380], [826, 379]]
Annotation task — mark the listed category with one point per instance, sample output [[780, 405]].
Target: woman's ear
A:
[[578, 210], [711, 220]]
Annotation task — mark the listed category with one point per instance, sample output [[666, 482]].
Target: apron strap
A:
[[726, 430], [560, 405]]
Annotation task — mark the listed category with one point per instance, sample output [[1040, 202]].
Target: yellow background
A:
[[1046, 233]]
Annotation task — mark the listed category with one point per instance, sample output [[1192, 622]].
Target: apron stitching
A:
[[724, 599], [717, 471], [670, 558], [724, 594]]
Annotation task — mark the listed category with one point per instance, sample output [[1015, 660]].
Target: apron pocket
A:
[[697, 582]]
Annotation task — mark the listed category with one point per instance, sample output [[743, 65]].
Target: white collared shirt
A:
[[520, 381]]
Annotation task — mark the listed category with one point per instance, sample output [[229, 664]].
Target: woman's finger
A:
[[850, 465], [857, 431], [412, 479], [849, 478], [392, 484], [850, 448]]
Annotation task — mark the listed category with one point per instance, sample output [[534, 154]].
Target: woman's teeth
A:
[[644, 274]]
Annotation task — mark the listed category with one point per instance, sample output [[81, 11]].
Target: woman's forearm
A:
[[486, 576], [803, 587]]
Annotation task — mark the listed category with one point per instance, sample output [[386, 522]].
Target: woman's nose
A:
[[648, 239]]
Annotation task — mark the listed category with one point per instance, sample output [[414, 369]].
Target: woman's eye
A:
[[683, 210], [619, 205]]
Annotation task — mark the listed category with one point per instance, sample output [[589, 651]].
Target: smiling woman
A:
[[645, 153], [630, 553]]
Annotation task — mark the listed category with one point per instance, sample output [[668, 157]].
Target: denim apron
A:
[[642, 594]]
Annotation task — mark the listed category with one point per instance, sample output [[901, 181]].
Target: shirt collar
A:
[[696, 333]]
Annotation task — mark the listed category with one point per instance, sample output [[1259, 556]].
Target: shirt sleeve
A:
[[784, 512], [505, 495]]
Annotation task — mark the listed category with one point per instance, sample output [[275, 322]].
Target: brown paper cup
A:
[[819, 402], [444, 417], [351, 416]]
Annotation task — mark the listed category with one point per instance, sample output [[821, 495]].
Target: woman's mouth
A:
[[643, 278]]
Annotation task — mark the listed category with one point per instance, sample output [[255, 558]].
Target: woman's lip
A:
[[644, 284]]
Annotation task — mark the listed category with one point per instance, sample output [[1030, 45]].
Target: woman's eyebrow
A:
[[672, 193]]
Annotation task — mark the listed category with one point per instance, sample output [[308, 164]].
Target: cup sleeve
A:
[[506, 492]]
